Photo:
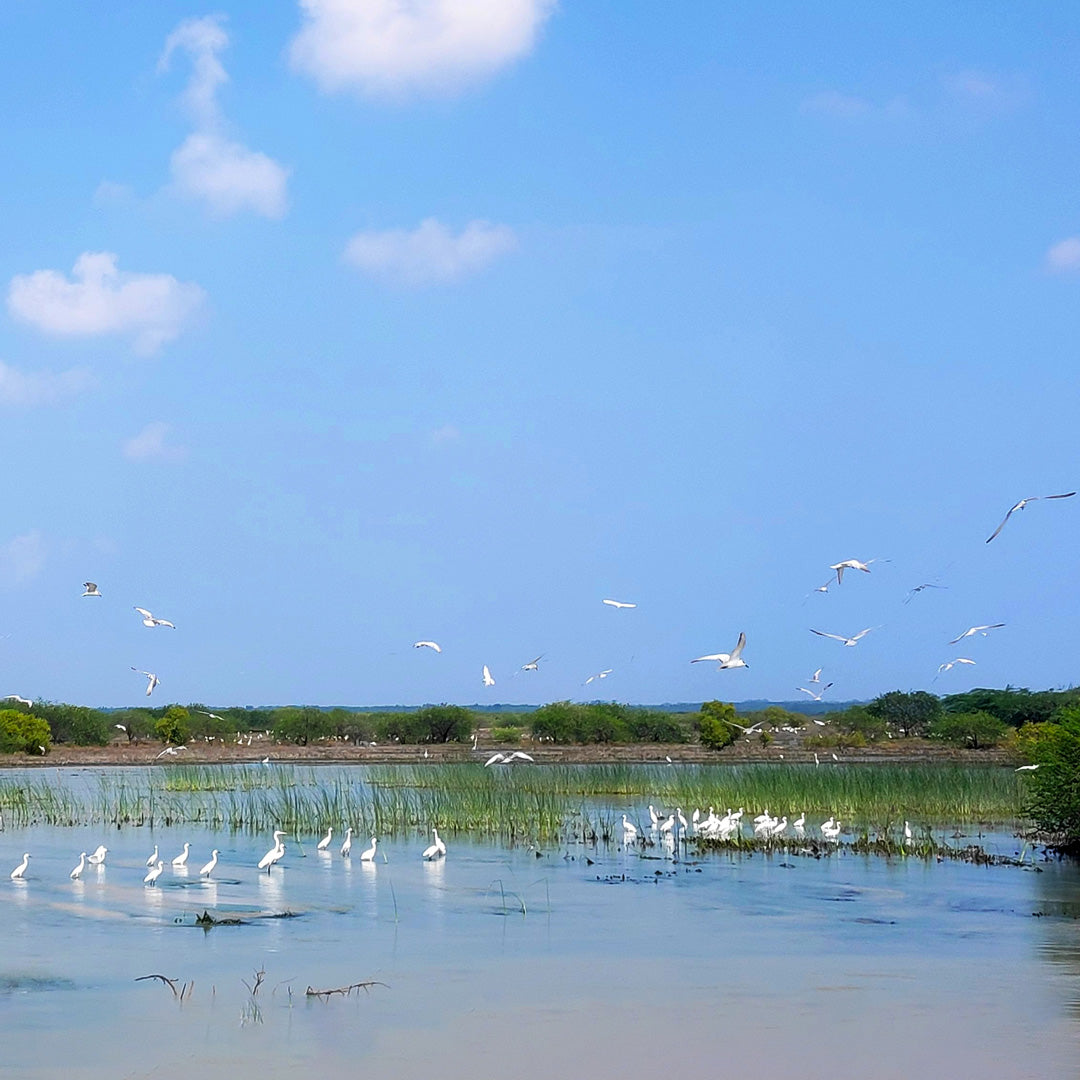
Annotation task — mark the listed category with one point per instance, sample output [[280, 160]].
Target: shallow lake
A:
[[578, 961]]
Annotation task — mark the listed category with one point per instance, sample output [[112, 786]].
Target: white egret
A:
[[208, 869], [181, 859], [907, 833], [800, 821], [849, 641], [488, 678], [436, 849], [153, 858], [90, 589], [346, 847], [495, 759], [629, 831], [619, 604], [19, 870], [779, 828], [275, 853], [324, 843], [154, 874], [973, 630], [368, 854], [681, 819], [152, 680], [427, 645], [727, 660], [98, 858], [75, 874], [149, 620], [1020, 506], [668, 824], [518, 755]]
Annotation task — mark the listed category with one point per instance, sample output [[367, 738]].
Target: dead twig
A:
[[345, 991], [253, 988], [184, 990]]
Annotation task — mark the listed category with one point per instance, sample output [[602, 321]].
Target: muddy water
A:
[[502, 963]]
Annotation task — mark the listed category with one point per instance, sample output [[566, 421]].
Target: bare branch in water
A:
[[345, 991], [183, 992]]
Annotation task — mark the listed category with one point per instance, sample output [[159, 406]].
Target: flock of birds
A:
[[156, 864], [710, 826]]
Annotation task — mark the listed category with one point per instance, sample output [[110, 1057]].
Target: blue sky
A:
[[333, 326]]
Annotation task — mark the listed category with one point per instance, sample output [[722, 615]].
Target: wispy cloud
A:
[[1064, 256], [429, 254], [389, 48], [151, 445], [21, 559], [209, 165], [25, 389], [100, 299]]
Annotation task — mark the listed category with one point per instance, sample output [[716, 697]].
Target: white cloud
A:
[[1064, 255], [429, 254], [202, 39], [150, 445], [21, 558], [391, 47], [833, 103], [229, 176], [25, 389], [207, 165], [100, 299]]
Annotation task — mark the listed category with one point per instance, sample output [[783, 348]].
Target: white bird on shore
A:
[[346, 847], [368, 854], [1020, 506], [19, 870], [800, 822], [732, 659], [818, 696], [599, 675], [152, 680], [154, 874], [952, 663], [90, 589], [98, 858], [435, 850], [907, 833], [849, 641], [274, 854], [208, 869], [324, 843], [149, 620], [153, 858], [779, 827], [77, 872], [487, 676], [181, 859], [972, 631], [619, 604], [850, 564], [427, 645]]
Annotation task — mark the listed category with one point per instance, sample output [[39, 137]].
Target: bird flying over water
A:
[[1020, 506], [427, 645], [599, 675], [618, 604], [149, 620], [952, 663], [489, 679], [153, 680], [91, 589], [732, 659], [849, 641], [972, 631]]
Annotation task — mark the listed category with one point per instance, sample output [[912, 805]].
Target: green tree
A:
[[300, 726], [716, 725], [859, 720], [75, 724], [138, 724], [23, 733], [175, 726], [1054, 803], [907, 713], [974, 729]]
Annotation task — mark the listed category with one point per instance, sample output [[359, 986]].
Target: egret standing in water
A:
[[181, 859], [153, 858], [98, 858], [208, 869], [346, 847], [368, 854], [154, 874], [17, 873], [274, 854], [77, 872], [435, 850], [324, 843]]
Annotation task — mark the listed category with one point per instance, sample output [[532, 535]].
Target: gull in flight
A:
[[489, 679], [850, 564], [149, 620], [427, 645], [153, 680], [972, 631], [818, 696], [619, 604], [533, 665], [732, 659], [172, 751], [816, 677], [952, 663], [599, 675], [919, 588], [1020, 506], [21, 700], [212, 715], [1026, 768], [849, 641], [91, 589]]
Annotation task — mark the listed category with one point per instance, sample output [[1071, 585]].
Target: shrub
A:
[[859, 720], [715, 725], [174, 727], [910, 714], [511, 733], [976, 730], [1054, 803], [23, 733], [300, 726], [76, 724], [431, 724], [138, 724]]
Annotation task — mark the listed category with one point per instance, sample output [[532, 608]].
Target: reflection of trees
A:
[[1058, 931]]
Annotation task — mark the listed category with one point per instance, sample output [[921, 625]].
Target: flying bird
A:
[[426, 645], [850, 564], [618, 604], [149, 620], [21, 700], [487, 676], [91, 589], [533, 665], [972, 631], [599, 675], [1026, 768], [952, 663], [153, 680], [732, 659], [1020, 506], [849, 641], [919, 588], [818, 696], [816, 677]]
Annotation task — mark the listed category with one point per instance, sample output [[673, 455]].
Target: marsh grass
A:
[[518, 805]]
